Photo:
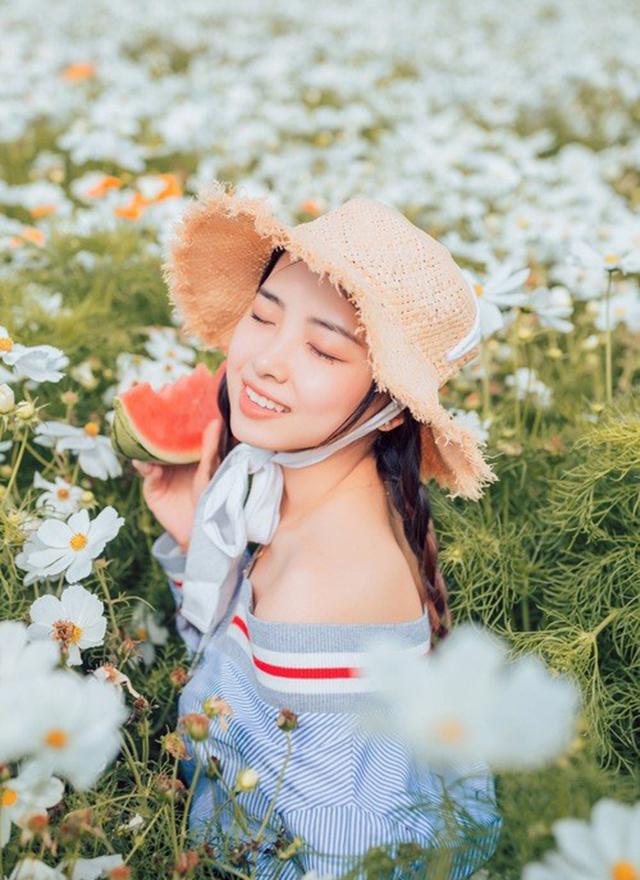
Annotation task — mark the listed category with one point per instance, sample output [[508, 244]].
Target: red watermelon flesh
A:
[[167, 425]]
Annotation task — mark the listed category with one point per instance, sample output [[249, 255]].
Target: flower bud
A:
[[179, 676], [195, 725], [25, 410], [87, 499], [213, 768], [7, 398], [287, 720], [174, 744], [247, 779]]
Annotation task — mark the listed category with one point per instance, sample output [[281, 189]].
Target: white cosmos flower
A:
[[526, 382], [4, 446], [624, 307], [65, 724], [471, 420], [145, 628], [40, 363], [21, 658], [23, 560], [61, 498], [552, 305], [617, 254], [163, 345], [73, 545], [92, 869], [498, 290], [464, 704], [22, 796], [31, 868], [75, 620], [97, 457], [607, 846]]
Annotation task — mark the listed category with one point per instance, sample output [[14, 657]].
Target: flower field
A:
[[511, 134]]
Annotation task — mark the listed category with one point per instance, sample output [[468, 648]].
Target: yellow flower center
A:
[[141, 632], [620, 311], [6, 343], [63, 493], [451, 730], [624, 871], [611, 258], [57, 738], [67, 632], [479, 289], [91, 429], [78, 541], [8, 796]]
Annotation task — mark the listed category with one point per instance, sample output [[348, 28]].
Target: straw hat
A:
[[421, 318]]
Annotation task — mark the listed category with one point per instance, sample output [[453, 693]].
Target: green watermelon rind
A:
[[130, 446]]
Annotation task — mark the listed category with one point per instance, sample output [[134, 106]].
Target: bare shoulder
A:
[[360, 576]]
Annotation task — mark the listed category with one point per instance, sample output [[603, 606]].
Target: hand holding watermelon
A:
[[172, 437], [172, 491]]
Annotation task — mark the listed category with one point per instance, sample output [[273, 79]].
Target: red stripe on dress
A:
[[298, 671], [177, 583]]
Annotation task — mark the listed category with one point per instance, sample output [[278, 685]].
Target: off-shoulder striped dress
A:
[[343, 791]]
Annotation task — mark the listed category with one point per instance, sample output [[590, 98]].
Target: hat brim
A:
[[215, 258]]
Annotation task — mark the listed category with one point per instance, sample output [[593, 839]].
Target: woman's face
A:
[[285, 349]]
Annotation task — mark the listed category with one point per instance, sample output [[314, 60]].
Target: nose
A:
[[273, 358]]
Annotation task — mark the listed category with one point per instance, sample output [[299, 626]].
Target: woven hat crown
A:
[[420, 317]]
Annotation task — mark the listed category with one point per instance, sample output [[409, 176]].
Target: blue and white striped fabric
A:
[[344, 791]]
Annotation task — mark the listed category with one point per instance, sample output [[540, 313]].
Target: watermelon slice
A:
[[167, 426]]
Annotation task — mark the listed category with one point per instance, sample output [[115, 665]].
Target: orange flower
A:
[[28, 233], [170, 189], [133, 209], [43, 210], [79, 70], [310, 206], [103, 185]]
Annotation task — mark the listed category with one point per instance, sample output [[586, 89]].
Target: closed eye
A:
[[317, 351]]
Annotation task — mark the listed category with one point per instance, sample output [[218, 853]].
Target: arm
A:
[[172, 558]]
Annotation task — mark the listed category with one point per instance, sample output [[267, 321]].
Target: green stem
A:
[[185, 817], [105, 589], [608, 359], [279, 782], [15, 467]]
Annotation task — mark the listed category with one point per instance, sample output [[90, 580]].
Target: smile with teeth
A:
[[264, 402]]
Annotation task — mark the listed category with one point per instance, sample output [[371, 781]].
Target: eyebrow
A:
[[322, 322]]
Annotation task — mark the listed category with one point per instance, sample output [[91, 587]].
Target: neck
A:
[[306, 489]]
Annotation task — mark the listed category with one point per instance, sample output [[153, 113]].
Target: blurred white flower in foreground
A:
[[31, 868], [22, 796], [97, 457], [40, 363], [526, 382], [63, 723], [5, 445], [464, 704], [19, 658], [497, 291], [72, 546], [75, 621], [61, 498], [92, 869], [606, 847]]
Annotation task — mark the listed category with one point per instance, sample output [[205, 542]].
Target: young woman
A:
[[305, 530]]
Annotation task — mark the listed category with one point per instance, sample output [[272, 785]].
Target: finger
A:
[[143, 467]]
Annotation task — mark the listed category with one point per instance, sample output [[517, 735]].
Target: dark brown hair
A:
[[397, 455]]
